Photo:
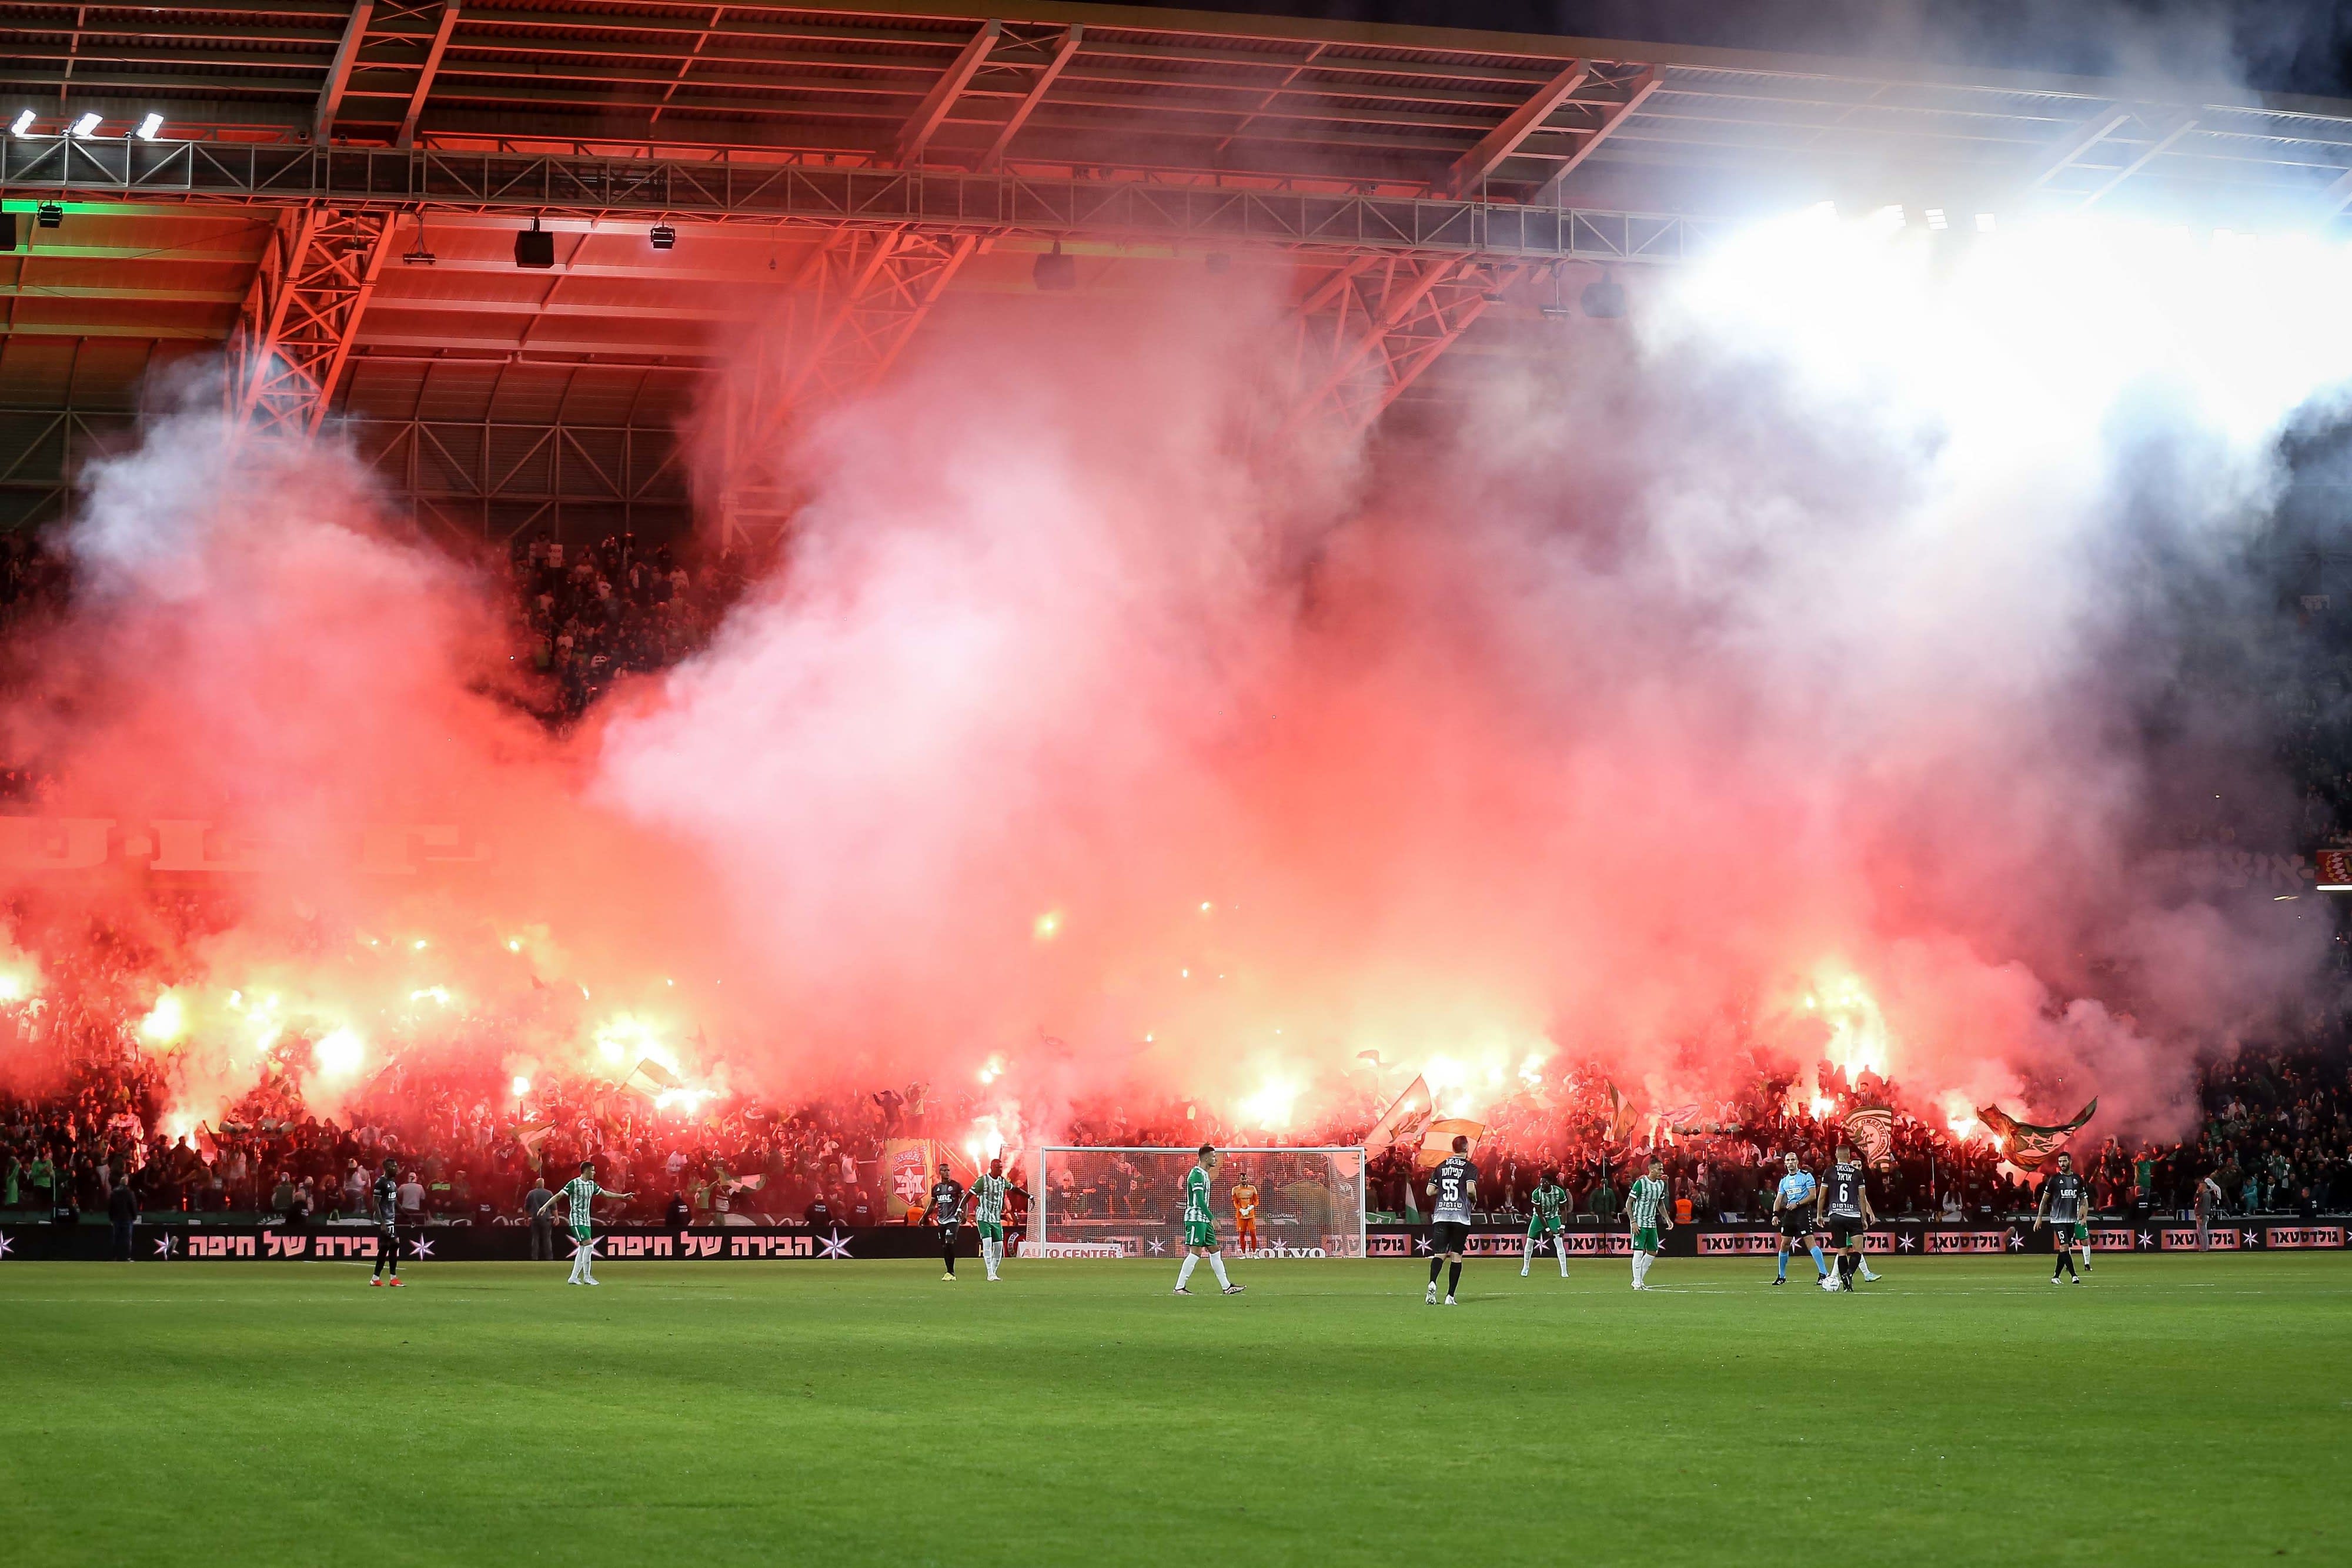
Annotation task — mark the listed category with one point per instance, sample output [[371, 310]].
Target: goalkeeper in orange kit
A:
[[1245, 1215]]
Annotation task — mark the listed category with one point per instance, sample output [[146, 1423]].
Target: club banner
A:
[[511, 1243], [468, 1244], [1872, 1132], [2281, 1236], [907, 1167], [2218, 1239]]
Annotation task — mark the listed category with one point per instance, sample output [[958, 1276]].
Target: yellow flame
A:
[[1272, 1105], [166, 1022], [339, 1052], [625, 1036], [1048, 925], [1859, 1039], [521, 1086]]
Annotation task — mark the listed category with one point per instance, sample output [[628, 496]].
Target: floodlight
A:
[[1984, 223], [24, 124], [1056, 274], [148, 127], [534, 248], [663, 236], [87, 125], [1936, 219], [48, 214]]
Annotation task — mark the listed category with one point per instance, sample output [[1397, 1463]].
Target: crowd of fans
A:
[[591, 615], [2275, 1136]]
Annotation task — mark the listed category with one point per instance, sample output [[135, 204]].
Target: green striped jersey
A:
[[1647, 1196], [1548, 1202], [1196, 1198], [988, 1200], [583, 1191]]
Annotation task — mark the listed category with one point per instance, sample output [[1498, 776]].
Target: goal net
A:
[[1130, 1202]]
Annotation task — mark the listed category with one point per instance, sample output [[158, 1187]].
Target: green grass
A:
[[2171, 1411]]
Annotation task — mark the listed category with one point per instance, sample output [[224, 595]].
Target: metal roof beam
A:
[[439, 47], [1470, 170], [1046, 77], [339, 73], [2155, 149], [907, 146], [937, 202], [1638, 93], [2097, 129], [398, 334], [2338, 196], [383, 305]]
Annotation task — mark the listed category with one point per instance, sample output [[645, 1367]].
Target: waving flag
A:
[[1437, 1142], [2025, 1145], [651, 1078], [1404, 1122], [1622, 1118], [1872, 1132]]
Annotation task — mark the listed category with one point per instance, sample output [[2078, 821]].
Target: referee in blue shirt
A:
[[1792, 1206]]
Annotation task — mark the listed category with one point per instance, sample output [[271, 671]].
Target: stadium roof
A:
[[760, 130]]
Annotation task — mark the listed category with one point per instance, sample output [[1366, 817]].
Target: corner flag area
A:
[[1961, 1411]]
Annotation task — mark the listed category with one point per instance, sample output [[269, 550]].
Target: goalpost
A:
[[1096, 1201]]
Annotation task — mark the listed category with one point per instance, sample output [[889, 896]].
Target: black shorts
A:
[[1846, 1230], [1796, 1224], [1446, 1236]]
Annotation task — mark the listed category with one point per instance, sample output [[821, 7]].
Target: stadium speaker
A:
[[8, 230], [1604, 301], [1056, 274], [663, 236], [534, 248], [48, 215]]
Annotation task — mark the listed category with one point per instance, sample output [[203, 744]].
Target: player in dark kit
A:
[[1845, 1200], [946, 1213], [1455, 1184], [2066, 1208], [383, 1198]]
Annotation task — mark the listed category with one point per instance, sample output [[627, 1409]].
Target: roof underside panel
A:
[[618, 336]]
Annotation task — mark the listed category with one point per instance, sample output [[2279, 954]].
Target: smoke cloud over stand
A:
[[1762, 680]]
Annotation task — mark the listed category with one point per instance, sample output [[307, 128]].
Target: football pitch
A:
[[2171, 1411]]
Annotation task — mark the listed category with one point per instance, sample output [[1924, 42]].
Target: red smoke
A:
[[1670, 713]]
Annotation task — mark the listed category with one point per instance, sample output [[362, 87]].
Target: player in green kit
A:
[[988, 1214], [1645, 1206], [1546, 1203], [1201, 1224], [583, 1192]]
